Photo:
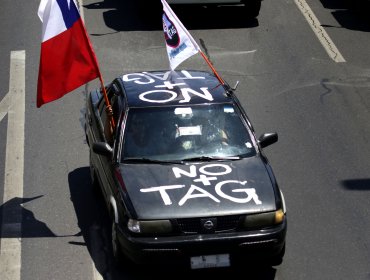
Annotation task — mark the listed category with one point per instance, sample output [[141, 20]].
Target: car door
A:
[[105, 164]]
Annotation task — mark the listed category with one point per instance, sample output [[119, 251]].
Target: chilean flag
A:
[[67, 59]]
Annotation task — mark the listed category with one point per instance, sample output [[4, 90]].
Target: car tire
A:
[[116, 250], [252, 7], [120, 260], [278, 259], [94, 179]]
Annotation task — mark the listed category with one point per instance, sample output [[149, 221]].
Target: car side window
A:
[[114, 100]]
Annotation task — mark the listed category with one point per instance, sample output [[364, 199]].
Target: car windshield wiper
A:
[[210, 158], [148, 160]]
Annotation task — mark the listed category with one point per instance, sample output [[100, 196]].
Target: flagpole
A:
[[109, 107], [213, 69]]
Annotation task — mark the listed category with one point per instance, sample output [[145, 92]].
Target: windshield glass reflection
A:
[[183, 133]]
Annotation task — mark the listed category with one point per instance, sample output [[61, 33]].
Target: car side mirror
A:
[[267, 139], [102, 148]]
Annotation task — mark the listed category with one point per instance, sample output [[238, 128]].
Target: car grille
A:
[[197, 225]]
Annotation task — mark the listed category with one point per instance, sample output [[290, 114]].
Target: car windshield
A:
[[201, 132]]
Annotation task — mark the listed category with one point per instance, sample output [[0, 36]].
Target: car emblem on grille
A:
[[208, 225]]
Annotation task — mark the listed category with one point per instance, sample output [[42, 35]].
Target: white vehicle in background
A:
[[252, 6]]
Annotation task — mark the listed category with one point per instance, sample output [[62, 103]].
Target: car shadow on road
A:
[[247, 272], [349, 14], [131, 15], [92, 219], [356, 184]]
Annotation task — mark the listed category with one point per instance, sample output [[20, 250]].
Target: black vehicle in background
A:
[[252, 7], [183, 176], [361, 6]]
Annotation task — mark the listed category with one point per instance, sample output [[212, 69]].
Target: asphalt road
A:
[[288, 84]]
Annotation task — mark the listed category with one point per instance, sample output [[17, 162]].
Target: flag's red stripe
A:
[[67, 61]]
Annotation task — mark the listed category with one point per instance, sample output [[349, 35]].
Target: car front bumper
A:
[[258, 245]]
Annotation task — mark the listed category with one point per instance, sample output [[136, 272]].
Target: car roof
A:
[[168, 88]]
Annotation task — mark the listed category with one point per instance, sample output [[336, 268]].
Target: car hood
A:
[[164, 191]]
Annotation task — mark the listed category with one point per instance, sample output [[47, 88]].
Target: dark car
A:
[[252, 7], [360, 6], [182, 174]]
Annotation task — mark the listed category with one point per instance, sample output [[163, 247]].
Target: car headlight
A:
[[264, 219], [149, 227]]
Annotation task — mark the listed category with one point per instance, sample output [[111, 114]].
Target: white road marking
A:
[[4, 104], [13, 105], [232, 53], [319, 31]]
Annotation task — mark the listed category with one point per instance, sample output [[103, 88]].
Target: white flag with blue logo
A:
[[180, 44]]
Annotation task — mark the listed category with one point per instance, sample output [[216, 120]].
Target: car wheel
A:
[[115, 245], [94, 179], [278, 259], [252, 7], [119, 258]]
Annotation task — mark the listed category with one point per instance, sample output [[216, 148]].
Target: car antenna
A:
[[230, 90], [236, 85]]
